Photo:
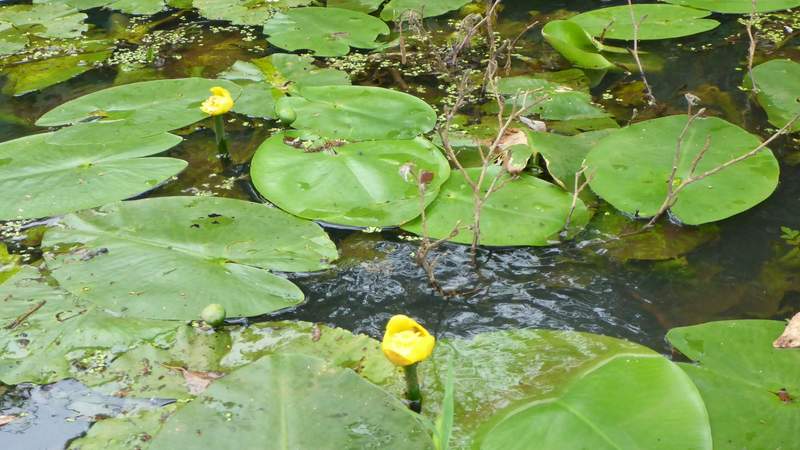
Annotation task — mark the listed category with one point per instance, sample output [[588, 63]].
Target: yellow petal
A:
[[406, 342], [218, 103]]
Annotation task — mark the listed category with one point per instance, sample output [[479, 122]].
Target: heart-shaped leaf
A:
[[749, 387], [522, 211], [632, 168], [738, 6], [244, 12], [397, 9], [324, 31], [41, 178], [359, 113], [655, 22], [168, 257], [360, 184], [778, 84]]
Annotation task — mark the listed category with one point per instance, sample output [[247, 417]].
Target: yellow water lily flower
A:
[[406, 342], [218, 103]]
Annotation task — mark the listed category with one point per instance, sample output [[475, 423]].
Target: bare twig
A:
[[579, 187], [651, 99], [510, 46], [24, 316], [751, 51]]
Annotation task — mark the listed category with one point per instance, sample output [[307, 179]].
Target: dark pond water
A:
[[576, 286]]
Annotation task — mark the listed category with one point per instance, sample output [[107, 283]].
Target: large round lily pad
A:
[[397, 9], [359, 112], [324, 31], [742, 379], [524, 211], [632, 166], [39, 178], [359, 184], [627, 401], [159, 105], [293, 401], [499, 373], [167, 258], [738, 6], [778, 83], [655, 21], [244, 12], [46, 335]]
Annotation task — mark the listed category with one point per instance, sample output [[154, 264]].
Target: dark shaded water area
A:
[[581, 285]]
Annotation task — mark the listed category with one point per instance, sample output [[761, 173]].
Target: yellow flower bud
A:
[[406, 342], [218, 103]]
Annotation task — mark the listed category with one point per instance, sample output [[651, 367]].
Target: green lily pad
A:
[[131, 431], [564, 155], [168, 257], [575, 45], [738, 6], [499, 373], [660, 22], [365, 6], [524, 211], [37, 75], [632, 166], [11, 41], [159, 369], [549, 100], [360, 184], [40, 178], [306, 404], [265, 80], [56, 21], [153, 106], [244, 12], [324, 31], [47, 335], [740, 376], [628, 401], [395, 9], [359, 113], [139, 7], [778, 83]]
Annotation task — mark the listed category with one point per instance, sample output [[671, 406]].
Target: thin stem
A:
[[413, 393], [219, 133], [651, 99]]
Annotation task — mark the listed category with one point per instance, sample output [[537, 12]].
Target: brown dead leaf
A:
[[791, 335], [5, 420], [196, 381], [512, 136]]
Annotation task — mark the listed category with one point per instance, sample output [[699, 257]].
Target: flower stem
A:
[[219, 132], [413, 393]]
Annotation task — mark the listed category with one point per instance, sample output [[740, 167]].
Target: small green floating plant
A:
[[405, 344]]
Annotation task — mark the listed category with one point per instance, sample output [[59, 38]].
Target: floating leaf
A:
[[365, 6], [575, 45], [244, 12], [632, 167], [564, 155], [158, 105], [523, 211], [56, 21], [624, 402], [40, 178], [359, 112], [359, 184], [397, 9], [265, 80], [744, 381], [129, 431], [168, 257], [655, 22], [37, 75], [47, 336], [145, 7], [738, 6], [548, 100], [501, 372], [324, 31], [305, 404], [778, 83]]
